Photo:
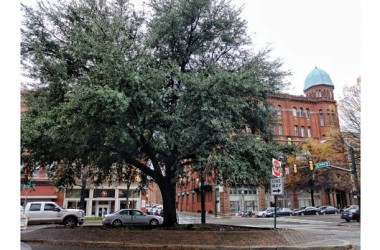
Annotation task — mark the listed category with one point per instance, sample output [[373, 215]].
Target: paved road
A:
[[328, 227]]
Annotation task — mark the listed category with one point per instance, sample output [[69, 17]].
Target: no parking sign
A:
[[276, 168]]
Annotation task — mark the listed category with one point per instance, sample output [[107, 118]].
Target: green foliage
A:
[[113, 88]]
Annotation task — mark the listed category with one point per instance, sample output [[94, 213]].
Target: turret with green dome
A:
[[317, 77]]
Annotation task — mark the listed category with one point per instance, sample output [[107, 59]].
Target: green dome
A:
[[317, 77]]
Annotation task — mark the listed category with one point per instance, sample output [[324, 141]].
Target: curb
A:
[[183, 247]]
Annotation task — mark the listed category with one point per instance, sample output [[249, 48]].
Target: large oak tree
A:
[[115, 86]]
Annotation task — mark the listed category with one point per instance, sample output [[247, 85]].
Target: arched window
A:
[[307, 113], [309, 132], [279, 110], [302, 131], [301, 112], [332, 121], [321, 121], [328, 116], [279, 129], [296, 130], [294, 111]]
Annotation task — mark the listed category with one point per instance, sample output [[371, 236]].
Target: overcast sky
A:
[[306, 34], [309, 33]]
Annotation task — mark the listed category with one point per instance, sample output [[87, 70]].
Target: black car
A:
[[284, 211], [349, 207], [307, 211], [351, 214], [329, 210]]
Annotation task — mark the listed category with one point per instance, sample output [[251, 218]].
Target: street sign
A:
[[276, 168], [322, 164], [277, 186]]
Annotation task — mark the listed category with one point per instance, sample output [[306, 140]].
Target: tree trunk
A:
[[167, 188]]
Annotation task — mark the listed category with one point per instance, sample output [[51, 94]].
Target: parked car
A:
[[329, 210], [157, 210], [124, 217], [349, 207], [266, 212], [47, 212], [307, 211], [149, 208], [351, 214], [284, 211]]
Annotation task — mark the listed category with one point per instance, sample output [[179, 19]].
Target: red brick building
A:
[[298, 117]]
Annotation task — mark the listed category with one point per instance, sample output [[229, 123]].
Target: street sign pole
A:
[[275, 210], [277, 188]]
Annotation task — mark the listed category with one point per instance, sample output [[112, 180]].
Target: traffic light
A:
[[295, 168], [311, 164], [289, 141]]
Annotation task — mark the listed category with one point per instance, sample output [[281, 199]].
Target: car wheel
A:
[[347, 220], [70, 222], [263, 215], [117, 223], [316, 213], [153, 222]]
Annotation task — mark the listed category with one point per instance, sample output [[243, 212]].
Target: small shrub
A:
[[93, 218]]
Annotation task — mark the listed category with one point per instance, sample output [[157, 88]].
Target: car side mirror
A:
[[57, 209]]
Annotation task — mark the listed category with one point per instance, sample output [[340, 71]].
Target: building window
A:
[[302, 131], [307, 113], [321, 121], [332, 121], [279, 110], [280, 129], [294, 111], [296, 130], [309, 132], [301, 112]]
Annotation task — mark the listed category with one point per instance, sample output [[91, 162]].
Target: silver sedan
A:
[[124, 217]]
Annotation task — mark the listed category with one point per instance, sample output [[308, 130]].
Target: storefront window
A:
[[131, 193], [75, 193]]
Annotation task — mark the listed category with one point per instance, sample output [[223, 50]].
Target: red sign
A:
[[276, 168]]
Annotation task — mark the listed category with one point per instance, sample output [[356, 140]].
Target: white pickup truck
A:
[[41, 212]]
